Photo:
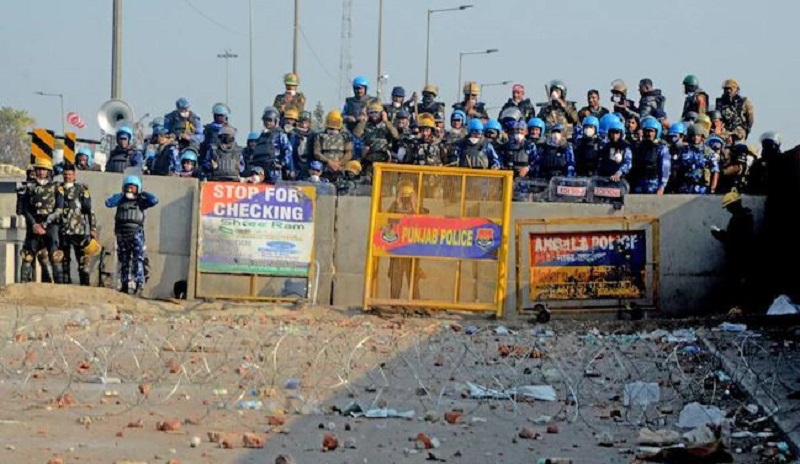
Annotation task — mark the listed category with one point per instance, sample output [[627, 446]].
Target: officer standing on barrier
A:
[[396, 104], [291, 98], [519, 102], [738, 113], [718, 127], [358, 103], [83, 160], [42, 207], [124, 155], [593, 108], [348, 182], [428, 103], [615, 155], [470, 105], [400, 268], [167, 160], [621, 103], [474, 151], [651, 99], [189, 158], [182, 123], [211, 131], [536, 131], [555, 157], [333, 147], [739, 240], [696, 98], [425, 150], [378, 134], [273, 152], [587, 148], [558, 110], [302, 140], [698, 169], [78, 226], [676, 135], [515, 154], [226, 162], [249, 150], [651, 164], [129, 219]]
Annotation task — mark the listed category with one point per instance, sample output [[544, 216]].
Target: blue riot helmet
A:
[[360, 81], [536, 122], [617, 126], [220, 109], [253, 136], [677, 128], [715, 140], [459, 116], [315, 165], [650, 122], [160, 130], [159, 121], [132, 180], [87, 153], [591, 121], [403, 114], [605, 123], [182, 104], [189, 154], [493, 124], [399, 92], [125, 132], [475, 125]]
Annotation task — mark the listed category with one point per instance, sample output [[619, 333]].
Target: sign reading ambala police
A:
[[256, 229]]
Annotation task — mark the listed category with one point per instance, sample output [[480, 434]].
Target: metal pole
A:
[[227, 71], [116, 51], [380, 50], [428, 49], [250, 4], [296, 52], [458, 89], [63, 128]]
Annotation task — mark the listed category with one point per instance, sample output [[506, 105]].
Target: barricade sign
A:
[[69, 147], [255, 230], [42, 143], [438, 237], [587, 262]]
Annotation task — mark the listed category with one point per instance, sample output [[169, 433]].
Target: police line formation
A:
[[704, 152]]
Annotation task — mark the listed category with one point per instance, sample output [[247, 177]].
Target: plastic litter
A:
[[537, 392], [695, 414], [384, 413], [782, 306], [641, 394], [730, 327], [252, 405]]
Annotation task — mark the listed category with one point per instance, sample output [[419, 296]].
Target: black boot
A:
[[84, 278], [26, 271]]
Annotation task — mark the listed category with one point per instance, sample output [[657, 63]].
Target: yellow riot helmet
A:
[[732, 83], [731, 197], [405, 189], [43, 163], [92, 248], [472, 88], [291, 79], [353, 166], [291, 113], [334, 120], [375, 107], [426, 120]]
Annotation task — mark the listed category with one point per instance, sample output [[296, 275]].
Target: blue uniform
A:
[[273, 147], [615, 158], [129, 230], [554, 160], [480, 155], [650, 169], [696, 166]]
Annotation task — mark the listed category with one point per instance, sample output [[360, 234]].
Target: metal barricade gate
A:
[[587, 264], [438, 238]]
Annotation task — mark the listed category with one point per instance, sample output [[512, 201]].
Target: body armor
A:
[[129, 219], [119, 159], [587, 154]]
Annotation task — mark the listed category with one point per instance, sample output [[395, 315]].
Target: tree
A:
[[319, 117], [14, 140]]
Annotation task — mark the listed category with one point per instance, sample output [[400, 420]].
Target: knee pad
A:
[[42, 255], [27, 256], [58, 256]]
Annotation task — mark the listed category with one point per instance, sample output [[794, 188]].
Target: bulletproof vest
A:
[[611, 157], [515, 154], [332, 146], [375, 137], [42, 199], [475, 155], [732, 112], [646, 159], [163, 160], [118, 160], [433, 108], [227, 158], [423, 153], [181, 126], [129, 218], [210, 135], [478, 107], [353, 106], [302, 148], [648, 103], [554, 159], [587, 153], [690, 103], [265, 154], [73, 218]]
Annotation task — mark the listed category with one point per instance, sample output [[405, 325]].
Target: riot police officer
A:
[[357, 104], [333, 147], [78, 226], [302, 140], [650, 171], [474, 151], [559, 110], [227, 163], [555, 156], [124, 155], [378, 134], [42, 207], [738, 113], [291, 98], [273, 152], [587, 148], [425, 149], [696, 98], [167, 159], [182, 123], [428, 104], [470, 105]]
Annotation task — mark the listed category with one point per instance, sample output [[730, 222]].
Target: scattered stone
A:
[[329, 442], [145, 389], [605, 439], [431, 416], [658, 438], [552, 428], [253, 440], [230, 441], [542, 420], [528, 433], [284, 459], [452, 417], [195, 442], [136, 425], [423, 441], [85, 420], [56, 460], [350, 443], [169, 425]]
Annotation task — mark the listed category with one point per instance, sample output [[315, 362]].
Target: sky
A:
[[170, 50]]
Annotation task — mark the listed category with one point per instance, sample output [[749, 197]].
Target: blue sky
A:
[[171, 47]]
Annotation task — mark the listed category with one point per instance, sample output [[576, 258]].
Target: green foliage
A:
[[14, 140]]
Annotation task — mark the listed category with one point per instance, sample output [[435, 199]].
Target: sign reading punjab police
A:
[[425, 236], [256, 229], [587, 265]]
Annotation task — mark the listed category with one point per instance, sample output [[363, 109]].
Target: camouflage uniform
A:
[[696, 167], [695, 102], [74, 232], [333, 147], [42, 204], [449, 141], [478, 110], [555, 114], [738, 114], [298, 103], [377, 139]]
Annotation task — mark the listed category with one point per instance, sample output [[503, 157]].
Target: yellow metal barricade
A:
[[438, 238]]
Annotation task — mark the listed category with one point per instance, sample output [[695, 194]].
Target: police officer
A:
[[124, 155], [738, 239], [302, 140], [696, 98], [651, 99], [358, 103], [189, 159], [676, 135], [555, 157], [333, 147], [249, 150], [428, 104], [291, 98], [492, 131], [718, 127], [593, 107], [378, 134], [182, 123], [400, 268], [167, 159], [651, 166], [83, 160], [425, 150], [738, 113], [211, 132], [347, 184], [289, 120], [734, 167], [515, 153], [698, 169], [558, 110], [615, 157], [519, 102], [78, 226], [129, 219], [227, 162], [587, 148], [621, 103], [42, 207], [470, 105], [398, 103], [536, 130], [273, 152], [474, 151]]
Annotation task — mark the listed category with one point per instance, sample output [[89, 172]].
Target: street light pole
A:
[[379, 81], [428, 40], [461, 56], [61, 97], [296, 51], [227, 56], [116, 51], [250, 6], [494, 84]]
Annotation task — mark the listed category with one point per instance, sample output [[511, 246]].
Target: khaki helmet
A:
[[405, 189], [732, 83], [472, 88], [334, 120], [353, 166], [375, 107], [696, 129], [705, 121], [430, 88], [92, 248], [291, 79], [426, 120], [618, 85], [43, 163], [731, 197], [291, 113]]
